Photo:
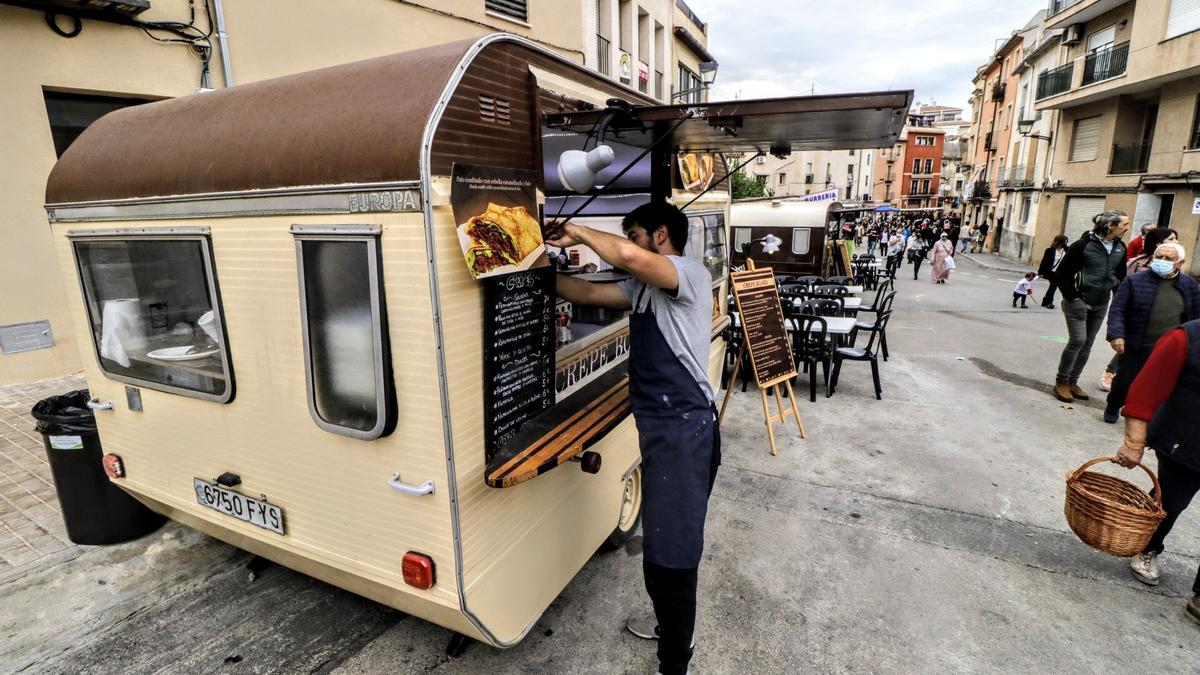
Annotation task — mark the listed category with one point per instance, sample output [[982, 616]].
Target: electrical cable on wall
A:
[[189, 34]]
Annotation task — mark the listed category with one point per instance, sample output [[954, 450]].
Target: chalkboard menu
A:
[[518, 352], [762, 323]]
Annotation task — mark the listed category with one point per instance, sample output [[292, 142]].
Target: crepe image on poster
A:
[[696, 170], [502, 239]]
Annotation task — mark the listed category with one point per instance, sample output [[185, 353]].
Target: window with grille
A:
[[1195, 140], [512, 9]]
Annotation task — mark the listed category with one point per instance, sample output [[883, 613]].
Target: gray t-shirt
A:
[[685, 320]]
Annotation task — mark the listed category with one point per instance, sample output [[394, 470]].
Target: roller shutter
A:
[[1086, 139], [1080, 211], [1184, 17]]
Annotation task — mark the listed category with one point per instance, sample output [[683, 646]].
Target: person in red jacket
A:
[[1138, 244], [1160, 413]]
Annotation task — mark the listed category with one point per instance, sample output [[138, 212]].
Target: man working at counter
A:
[[672, 403]]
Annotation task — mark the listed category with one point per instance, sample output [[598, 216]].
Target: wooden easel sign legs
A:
[[765, 342], [777, 391]]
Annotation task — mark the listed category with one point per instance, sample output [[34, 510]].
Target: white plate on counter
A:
[[181, 353]]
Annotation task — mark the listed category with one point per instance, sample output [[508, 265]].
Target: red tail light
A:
[[113, 466], [419, 571]]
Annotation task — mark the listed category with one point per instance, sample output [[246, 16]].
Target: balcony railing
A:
[[1056, 81], [603, 56], [1057, 6], [982, 190], [1130, 158], [1014, 177], [1105, 63], [998, 90]]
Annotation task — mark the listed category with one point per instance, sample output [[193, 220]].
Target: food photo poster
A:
[[496, 212]]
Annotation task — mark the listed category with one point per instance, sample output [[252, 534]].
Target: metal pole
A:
[[223, 41]]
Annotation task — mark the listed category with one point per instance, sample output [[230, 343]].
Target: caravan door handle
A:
[[95, 404], [425, 488]]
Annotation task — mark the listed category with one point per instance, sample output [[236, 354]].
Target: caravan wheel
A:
[[631, 511]]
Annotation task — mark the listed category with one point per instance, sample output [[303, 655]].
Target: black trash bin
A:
[[94, 510]]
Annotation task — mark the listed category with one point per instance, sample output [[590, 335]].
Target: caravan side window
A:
[[156, 321], [801, 240], [706, 243], [347, 360]]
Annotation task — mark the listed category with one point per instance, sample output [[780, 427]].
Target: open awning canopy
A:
[[777, 125]]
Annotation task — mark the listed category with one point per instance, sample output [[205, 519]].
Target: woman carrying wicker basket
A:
[[1160, 413]]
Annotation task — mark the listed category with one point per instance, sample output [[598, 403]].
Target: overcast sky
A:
[[841, 46]]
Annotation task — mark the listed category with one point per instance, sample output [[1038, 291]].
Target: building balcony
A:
[[1063, 13], [1105, 64], [1015, 178], [603, 55], [998, 90], [981, 190], [1056, 81], [1130, 158]]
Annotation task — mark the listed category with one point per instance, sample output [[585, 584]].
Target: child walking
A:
[[1024, 289]]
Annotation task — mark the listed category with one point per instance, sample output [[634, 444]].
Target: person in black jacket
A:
[[1090, 271], [1146, 306], [1050, 260]]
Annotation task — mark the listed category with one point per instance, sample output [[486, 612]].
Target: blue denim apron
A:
[[680, 442]]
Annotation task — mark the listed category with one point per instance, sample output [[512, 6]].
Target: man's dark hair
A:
[[657, 214]]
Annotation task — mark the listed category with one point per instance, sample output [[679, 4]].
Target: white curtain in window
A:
[[1184, 17]]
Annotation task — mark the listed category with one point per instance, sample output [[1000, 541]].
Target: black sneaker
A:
[[1112, 415]]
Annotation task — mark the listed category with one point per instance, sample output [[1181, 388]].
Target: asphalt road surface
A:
[[921, 533]]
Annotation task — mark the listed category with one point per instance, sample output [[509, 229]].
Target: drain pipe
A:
[[223, 41]]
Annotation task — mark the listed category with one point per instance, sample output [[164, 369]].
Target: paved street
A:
[[921, 533]]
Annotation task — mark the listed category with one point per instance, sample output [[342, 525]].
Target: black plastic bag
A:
[[65, 414]]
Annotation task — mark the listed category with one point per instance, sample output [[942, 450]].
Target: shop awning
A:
[[836, 122]]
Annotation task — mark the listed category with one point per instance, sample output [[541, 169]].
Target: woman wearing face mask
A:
[[1151, 241], [1092, 268], [1148, 305]]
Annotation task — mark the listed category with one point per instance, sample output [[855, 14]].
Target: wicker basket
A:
[[1110, 514]]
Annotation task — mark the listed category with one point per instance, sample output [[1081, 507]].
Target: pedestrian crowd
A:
[[915, 240]]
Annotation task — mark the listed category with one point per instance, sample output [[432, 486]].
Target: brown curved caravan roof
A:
[[357, 123], [364, 123]]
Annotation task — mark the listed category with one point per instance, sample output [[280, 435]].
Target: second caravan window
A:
[[348, 364], [801, 240]]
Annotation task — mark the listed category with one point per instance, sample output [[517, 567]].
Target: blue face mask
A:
[[1162, 267]]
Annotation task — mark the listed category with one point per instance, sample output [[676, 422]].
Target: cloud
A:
[[841, 46]]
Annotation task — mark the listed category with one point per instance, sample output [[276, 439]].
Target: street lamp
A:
[[708, 75], [1024, 127]]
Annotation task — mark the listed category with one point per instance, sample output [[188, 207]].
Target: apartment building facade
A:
[[994, 107], [844, 174], [1024, 162], [920, 164], [1128, 100], [59, 79]]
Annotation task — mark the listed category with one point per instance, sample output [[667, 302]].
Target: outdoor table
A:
[[840, 325], [850, 303], [854, 290]]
